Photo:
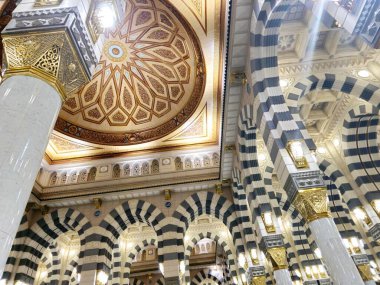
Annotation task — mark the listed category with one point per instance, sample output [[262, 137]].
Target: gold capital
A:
[[49, 56], [259, 280], [312, 203], [277, 256], [365, 272]]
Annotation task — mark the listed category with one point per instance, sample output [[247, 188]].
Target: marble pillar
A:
[[28, 108], [339, 263], [282, 277]]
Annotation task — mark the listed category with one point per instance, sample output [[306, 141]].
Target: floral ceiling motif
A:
[[149, 81]]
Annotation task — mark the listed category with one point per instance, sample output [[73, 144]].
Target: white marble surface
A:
[[340, 265], [28, 110], [282, 277], [371, 282]]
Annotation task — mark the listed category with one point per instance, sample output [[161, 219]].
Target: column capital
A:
[[365, 272], [274, 248], [52, 44], [259, 280], [312, 203], [277, 256], [362, 263], [256, 275]]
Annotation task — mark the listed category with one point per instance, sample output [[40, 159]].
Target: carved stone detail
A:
[[47, 56], [301, 181], [375, 232], [52, 44], [312, 204], [271, 241]]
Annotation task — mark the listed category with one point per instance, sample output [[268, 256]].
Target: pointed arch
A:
[[232, 260], [118, 220], [44, 232], [204, 276], [132, 254], [211, 204]]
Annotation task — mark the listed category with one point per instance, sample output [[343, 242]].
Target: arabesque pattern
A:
[[149, 80]]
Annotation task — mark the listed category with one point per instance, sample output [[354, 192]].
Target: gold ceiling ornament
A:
[[312, 203], [48, 56], [259, 280], [277, 256], [168, 194], [365, 271]]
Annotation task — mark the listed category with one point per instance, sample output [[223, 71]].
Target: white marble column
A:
[[339, 263], [282, 277], [28, 111]]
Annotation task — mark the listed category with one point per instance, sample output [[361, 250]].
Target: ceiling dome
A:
[[149, 81]]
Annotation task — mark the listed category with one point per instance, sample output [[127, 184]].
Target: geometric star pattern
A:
[[149, 80]]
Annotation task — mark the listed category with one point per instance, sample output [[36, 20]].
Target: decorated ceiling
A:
[[157, 85]]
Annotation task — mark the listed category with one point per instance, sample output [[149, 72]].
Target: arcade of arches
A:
[[190, 142]]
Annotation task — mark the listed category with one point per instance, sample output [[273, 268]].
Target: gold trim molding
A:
[[277, 256], [48, 56], [312, 204], [44, 3]]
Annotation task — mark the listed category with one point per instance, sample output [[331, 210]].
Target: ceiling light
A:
[[44, 274], [336, 142], [376, 206], [243, 278], [284, 83], [373, 264], [262, 156], [3, 282], [321, 150], [182, 267], [161, 267], [361, 214], [102, 277], [106, 16], [363, 73], [295, 150], [318, 253]]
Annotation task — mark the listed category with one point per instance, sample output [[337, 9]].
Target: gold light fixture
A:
[[376, 206], [362, 215], [254, 256], [268, 222], [242, 261], [295, 151]]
